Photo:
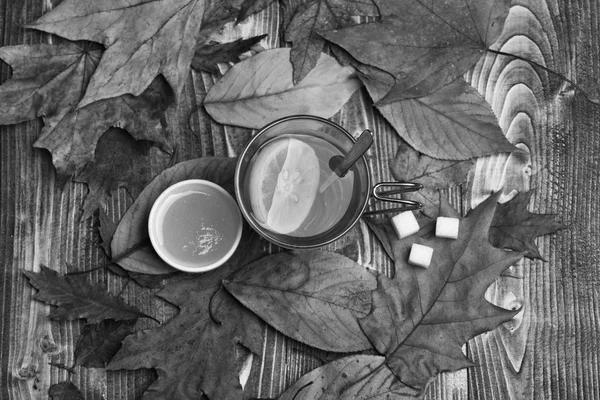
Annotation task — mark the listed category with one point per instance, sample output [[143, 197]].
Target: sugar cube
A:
[[420, 255], [405, 224], [446, 227]]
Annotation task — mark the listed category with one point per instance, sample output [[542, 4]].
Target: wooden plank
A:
[[540, 353]]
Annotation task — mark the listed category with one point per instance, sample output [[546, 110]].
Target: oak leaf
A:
[[425, 44], [65, 391], [515, 228], [119, 161], [76, 298], [133, 227], [199, 352], [315, 16], [47, 81], [421, 318], [98, 343], [143, 39], [259, 90], [325, 292]]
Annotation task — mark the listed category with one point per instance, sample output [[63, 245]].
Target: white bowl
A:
[[195, 225]]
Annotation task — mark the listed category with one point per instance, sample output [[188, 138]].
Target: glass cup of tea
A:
[[279, 183], [195, 225]]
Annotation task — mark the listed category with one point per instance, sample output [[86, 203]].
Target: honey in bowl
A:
[[283, 180], [195, 225]]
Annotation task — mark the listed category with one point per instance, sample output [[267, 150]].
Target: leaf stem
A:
[[538, 65], [70, 370], [299, 390]]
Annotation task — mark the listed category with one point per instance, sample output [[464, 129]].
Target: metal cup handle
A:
[[400, 187]]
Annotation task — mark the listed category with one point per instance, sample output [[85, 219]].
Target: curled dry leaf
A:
[[76, 298], [143, 39], [325, 292], [250, 7], [207, 56], [424, 44], [259, 90], [133, 227]]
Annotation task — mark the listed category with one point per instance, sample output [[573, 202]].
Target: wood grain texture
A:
[[549, 351]]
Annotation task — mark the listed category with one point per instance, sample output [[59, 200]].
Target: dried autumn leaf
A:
[[207, 56], [515, 228], [120, 161], [425, 44], [99, 342], [315, 16], [411, 166], [453, 123], [143, 39], [192, 354], [325, 292], [250, 7], [358, 377], [76, 298], [421, 319], [47, 81], [72, 138], [65, 391], [259, 90], [133, 227]]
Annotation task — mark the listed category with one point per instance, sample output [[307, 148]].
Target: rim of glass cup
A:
[[266, 234]]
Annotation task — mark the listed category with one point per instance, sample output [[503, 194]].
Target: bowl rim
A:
[[265, 234], [159, 202]]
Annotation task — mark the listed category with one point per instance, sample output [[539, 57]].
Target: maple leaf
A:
[[143, 38], [421, 318], [192, 354], [65, 391], [99, 342], [72, 137], [120, 161], [315, 16], [207, 56], [76, 298], [515, 228], [47, 81], [425, 44]]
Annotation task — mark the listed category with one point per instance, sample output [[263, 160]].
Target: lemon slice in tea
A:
[[296, 189], [283, 184], [263, 177]]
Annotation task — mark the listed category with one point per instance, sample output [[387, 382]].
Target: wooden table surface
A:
[[550, 351]]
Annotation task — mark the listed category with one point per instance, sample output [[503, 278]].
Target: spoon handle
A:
[[364, 141]]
